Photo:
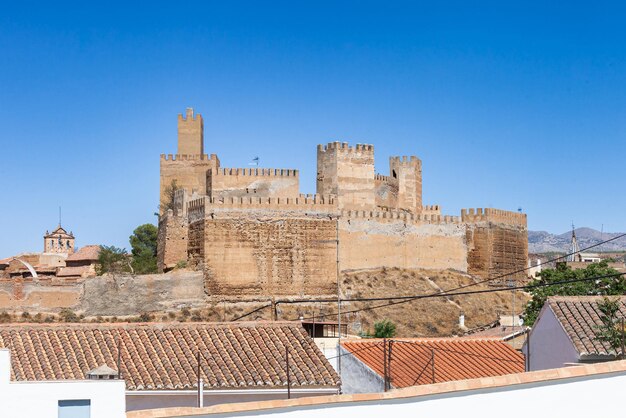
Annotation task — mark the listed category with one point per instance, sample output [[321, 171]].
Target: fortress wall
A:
[[256, 182], [370, 243], [189, 171], [498, 242], [386, 191], [496, 250], [303, 203], [257, 254], [407, 172], [106, 295], [348, 173], [172, 241]]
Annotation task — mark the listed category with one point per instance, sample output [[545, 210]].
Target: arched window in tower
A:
[[393, 173]]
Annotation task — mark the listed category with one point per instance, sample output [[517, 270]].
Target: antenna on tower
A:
[[59, 215]]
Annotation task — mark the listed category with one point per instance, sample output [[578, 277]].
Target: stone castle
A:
[[254, 235]]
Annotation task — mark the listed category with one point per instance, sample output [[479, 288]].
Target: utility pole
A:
[[288, 376], [200, 383], [622, 324], [432, 363], [385, 364], [119, 356], [389, 365], [511, 283], [338, 303]]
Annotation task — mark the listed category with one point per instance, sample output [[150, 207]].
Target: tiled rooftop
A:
[[455, 388], [85, 253], [455, 359], [163, 356], [579, 316]]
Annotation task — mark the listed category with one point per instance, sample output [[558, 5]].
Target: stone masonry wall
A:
[[189, 172], [256, 182], [107, 295], [369, 243], [265, 256], [348, 173], [172, 241]]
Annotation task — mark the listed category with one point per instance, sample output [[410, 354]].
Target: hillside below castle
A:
[[254, 235]]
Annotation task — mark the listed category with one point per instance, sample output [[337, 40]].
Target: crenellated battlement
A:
[[405, 161], [398, 215], [196, 209], [383, 178], [189, 115], [493, 215], [189, 157], [255, 172], [343, 147]]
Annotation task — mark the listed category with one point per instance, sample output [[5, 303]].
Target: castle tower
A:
[[407, 172], [190, 134], [348, 173], [187, 169], [58, 241]]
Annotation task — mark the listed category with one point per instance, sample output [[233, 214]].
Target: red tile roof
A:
[[455, 359], [85, 253], [579, 316], [163, 356], [499, 332]]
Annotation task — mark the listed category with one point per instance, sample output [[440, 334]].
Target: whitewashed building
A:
[[62, 399]]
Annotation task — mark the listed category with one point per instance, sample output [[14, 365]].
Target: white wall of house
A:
[[356, 377], [549, 345], [328, 346], [137, 400], [584, 397], [41, 398]]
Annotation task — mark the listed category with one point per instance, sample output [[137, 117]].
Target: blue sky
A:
[[508, 105]]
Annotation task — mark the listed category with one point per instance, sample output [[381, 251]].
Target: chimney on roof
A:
[[103, 372], [462, 320]]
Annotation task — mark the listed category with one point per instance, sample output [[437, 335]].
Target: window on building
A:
[[75, 408]]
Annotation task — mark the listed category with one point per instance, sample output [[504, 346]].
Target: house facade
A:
[[60, 398], [566, 333]]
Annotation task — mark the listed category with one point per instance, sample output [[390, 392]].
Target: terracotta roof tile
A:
[[85, 253], [499, 332], [579, 316], [455, 359], [163, 356]]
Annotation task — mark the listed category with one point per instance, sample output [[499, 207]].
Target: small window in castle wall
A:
[[393, 173]]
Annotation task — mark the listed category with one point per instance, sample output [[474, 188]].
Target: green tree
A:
[[167, 201], [611, 330], [607, 286], [384, 329], [112, 260], [144, 249]]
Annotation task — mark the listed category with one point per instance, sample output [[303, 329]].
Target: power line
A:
[[251, 312], [408, 299], [404, 299]]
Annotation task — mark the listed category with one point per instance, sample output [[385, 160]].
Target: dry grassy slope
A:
[[426, 317]]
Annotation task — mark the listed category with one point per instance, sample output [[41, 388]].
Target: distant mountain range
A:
[[542, 241]]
